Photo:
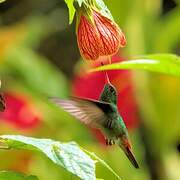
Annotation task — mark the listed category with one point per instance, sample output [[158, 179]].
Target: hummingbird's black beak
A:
[[131, 157]]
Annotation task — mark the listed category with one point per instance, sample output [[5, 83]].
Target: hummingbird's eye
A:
[[111, 90]]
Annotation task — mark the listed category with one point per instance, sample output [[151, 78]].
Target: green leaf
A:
[[10, 175], [100, 4], [71, 10], [80, 2], [67, 155], [160, 63], [95, 157], [103, 9]]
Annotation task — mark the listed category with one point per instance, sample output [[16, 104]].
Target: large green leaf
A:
[[68, 155], [160, 63], [10, 175]]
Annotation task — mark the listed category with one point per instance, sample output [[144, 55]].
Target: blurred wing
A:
[[2, 103], [87, 111]]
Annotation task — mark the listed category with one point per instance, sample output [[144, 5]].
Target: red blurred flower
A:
[[90, 86], [96, 34], [19, 112]]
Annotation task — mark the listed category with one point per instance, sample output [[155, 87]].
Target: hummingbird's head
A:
[[125, 145], [109, 93]]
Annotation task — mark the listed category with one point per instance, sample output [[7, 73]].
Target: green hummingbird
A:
[[102, 114]]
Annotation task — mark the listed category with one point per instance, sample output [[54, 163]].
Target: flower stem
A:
[[109, 58]]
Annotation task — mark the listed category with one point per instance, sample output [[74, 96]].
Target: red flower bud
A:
[[98, 36]]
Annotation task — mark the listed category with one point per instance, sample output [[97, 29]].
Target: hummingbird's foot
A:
[[110, 142]]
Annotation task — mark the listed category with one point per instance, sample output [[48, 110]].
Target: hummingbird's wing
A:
[[88, 111]]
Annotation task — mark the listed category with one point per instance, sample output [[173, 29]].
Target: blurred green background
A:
[[39, 58]]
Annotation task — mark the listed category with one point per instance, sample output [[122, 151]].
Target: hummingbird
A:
[[101, 114]]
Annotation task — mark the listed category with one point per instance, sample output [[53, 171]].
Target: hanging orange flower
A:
[[97, 35]]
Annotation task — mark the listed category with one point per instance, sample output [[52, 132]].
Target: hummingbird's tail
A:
[[126, 147], [131, 157]]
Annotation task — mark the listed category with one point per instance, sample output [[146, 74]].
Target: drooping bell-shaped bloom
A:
[[97, 35]]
